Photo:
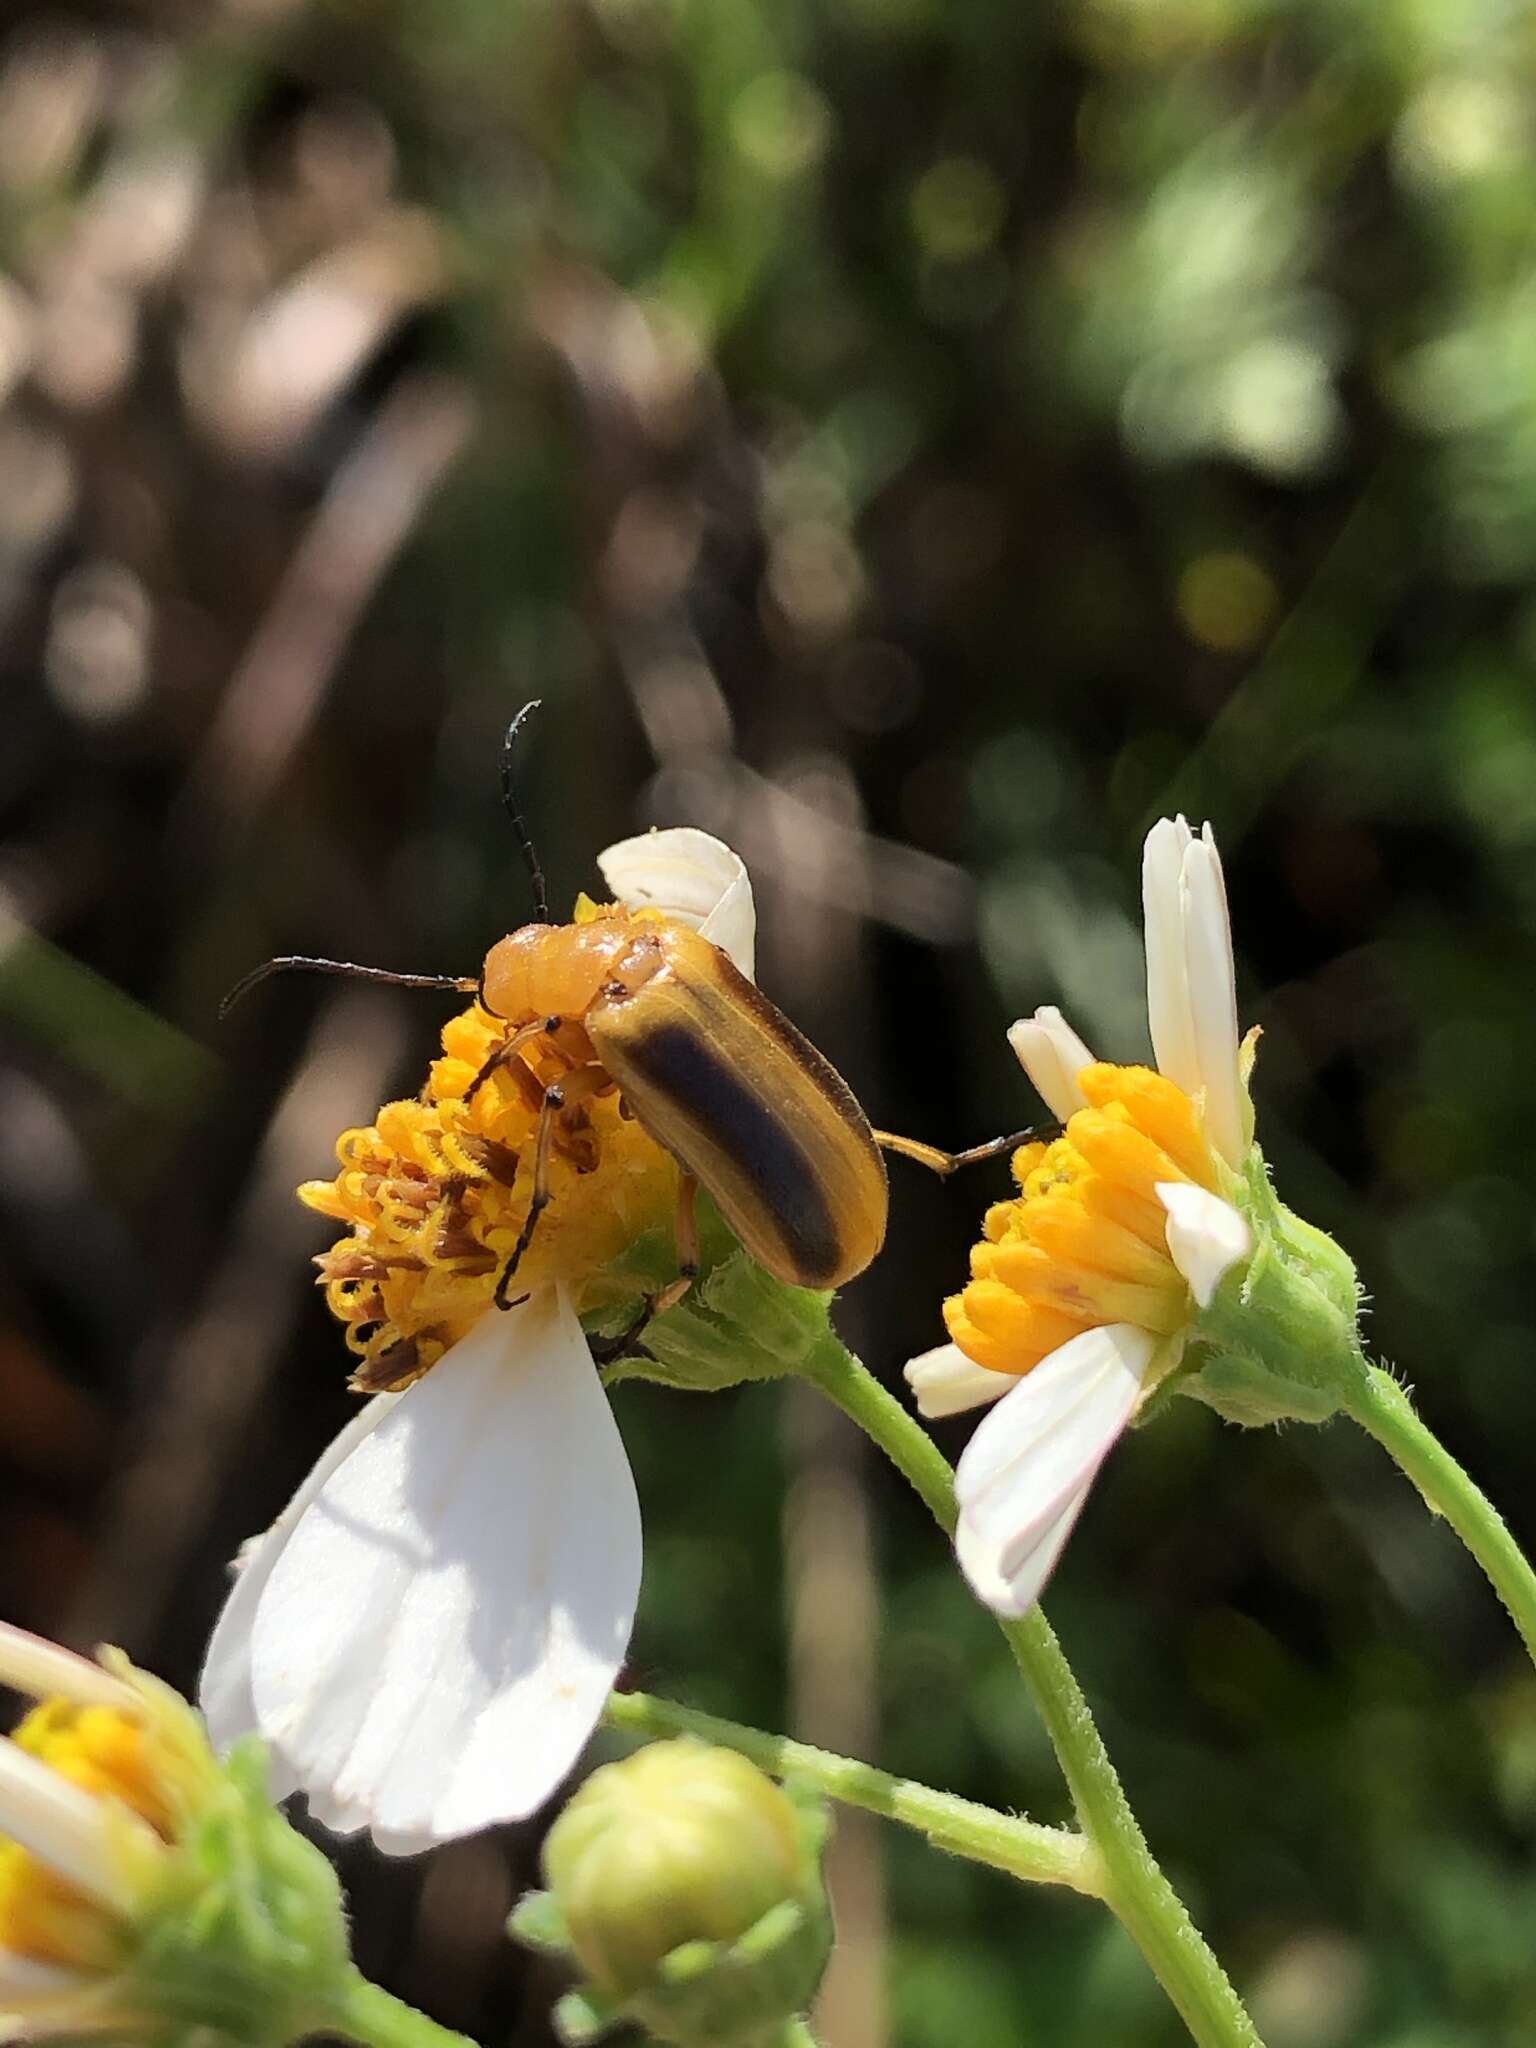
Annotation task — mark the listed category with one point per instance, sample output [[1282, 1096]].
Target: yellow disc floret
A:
[[1084, 1241], [436, 1192]]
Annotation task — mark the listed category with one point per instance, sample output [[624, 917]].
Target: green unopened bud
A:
[[1279, 1339], [687, 1887]]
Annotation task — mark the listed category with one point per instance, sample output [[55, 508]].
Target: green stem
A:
[[362, 2012], [1383, 1408], [797, 2034], [1135, 1888], [1022, 1848]]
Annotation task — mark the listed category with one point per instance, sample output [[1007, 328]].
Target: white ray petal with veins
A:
[[1026, 1472], [441, 1628], [1207, 1237], [945, 1382], [692, 876], [1053, 1056], [224, 1686], [65, 1827], [45, 1670], [1168, 1000]]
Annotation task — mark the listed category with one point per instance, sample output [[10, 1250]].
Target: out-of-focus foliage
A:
[[919, 441]]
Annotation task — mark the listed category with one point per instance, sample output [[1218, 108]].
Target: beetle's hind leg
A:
[[945, 1163], [686, 1226]]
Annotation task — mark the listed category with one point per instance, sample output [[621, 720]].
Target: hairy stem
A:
[[376, 2019], [1383, 1409], [1134, 1885], [1022, 1848]]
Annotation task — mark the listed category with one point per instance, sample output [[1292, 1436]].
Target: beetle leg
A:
[[945, 1163], [501, 1054], [606, 1350], [686, 1228], [538, 1201]]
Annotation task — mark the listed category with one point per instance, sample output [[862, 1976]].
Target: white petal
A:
[[945, 1382], [1025, 1472], [64, 1827], [1053, 1056], [44, 1670], [441, 1629], [1168, 997], [1207, 1237], [224, 1686], [1015, 1595], [22, 1980], [690, 875], [1212, 984]]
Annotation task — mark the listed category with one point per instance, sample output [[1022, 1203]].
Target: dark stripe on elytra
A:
[[748, 996], [681, 1065]]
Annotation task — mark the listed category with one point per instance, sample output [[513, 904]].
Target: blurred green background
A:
[[920, 442]]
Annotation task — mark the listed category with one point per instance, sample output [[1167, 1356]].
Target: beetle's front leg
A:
[[538, 1201]]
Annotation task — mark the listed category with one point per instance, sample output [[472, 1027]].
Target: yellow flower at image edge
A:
[[113, 1908], [425, 1637]]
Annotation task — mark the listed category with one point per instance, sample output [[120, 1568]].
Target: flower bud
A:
[[687, 1886]]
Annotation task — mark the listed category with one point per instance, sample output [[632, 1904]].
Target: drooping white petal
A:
[[1207, 1237], [1212, 985], [44, 1670], [224, 1686], [945, 1382], [440, 1630], [1014, 1595], [690, 875], [64, 1827], [1026, 1471], [1053, 1056], [1168, 997]]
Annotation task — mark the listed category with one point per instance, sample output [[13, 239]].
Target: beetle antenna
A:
[[514, 812], [302, 962]]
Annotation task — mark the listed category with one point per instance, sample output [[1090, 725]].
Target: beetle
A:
[[709, 1067]]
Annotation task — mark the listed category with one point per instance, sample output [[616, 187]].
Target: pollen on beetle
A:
[[1084, 1242], [436, 1191]]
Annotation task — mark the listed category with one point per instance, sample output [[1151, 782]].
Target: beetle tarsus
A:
[[943, 1163]]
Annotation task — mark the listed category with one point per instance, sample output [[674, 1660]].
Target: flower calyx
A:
[[1279, 1338], [686, 1886]]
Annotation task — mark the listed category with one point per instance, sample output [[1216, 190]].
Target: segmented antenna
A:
[[304, 963], [514, 812]]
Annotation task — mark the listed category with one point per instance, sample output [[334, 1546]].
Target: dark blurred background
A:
[[920, 440]]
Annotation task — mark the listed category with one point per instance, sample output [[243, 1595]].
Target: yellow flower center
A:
[[1084, 1242], [113, 1756], [435, 1193]]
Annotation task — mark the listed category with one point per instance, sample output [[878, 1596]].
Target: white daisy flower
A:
[[1085, 1283]]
